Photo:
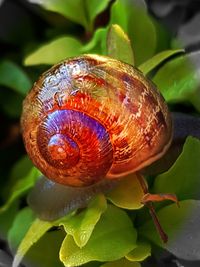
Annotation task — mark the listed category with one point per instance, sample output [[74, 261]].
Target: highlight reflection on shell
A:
[[93, 117]]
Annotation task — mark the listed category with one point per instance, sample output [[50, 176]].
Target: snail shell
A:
[[94, 117]]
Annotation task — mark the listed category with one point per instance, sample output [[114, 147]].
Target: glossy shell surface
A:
[[93, 117]]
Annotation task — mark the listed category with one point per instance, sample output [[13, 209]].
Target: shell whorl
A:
[[76, 145], [93, 117]]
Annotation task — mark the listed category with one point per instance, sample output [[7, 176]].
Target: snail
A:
[[93, 118]]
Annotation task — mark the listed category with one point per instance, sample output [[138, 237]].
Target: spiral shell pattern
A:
[[93, 117]]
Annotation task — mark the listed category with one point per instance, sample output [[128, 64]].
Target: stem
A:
[[157, 224], [152, 212]]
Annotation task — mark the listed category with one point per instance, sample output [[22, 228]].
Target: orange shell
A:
[[94, 117]]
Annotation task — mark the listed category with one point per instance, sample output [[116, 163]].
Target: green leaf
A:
[[138, 26], [183, 178], [45, 253], [164, 37], [119, 45], [182, 227], [97, 44], [7, 218], [93, 8], [21, 168], [82, 12], [13, 104], [140, 253], [19, 228], [81, 226], [21, 187], [71, 9], [35, 232], [112, 238], [178, 81], [127, 194], [153, 62], [54, 51], [121, 263], [14, 77]]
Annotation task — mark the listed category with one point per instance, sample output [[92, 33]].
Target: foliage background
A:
[[33, 37]]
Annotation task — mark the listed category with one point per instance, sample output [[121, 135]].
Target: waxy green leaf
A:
[[20, 226], [139, 27], [6, 219], [119, 45], [35, 232], [183, 178], [140, 253], [153, 62], [82, 12], [54, 51], [113, 237], [127, 194], [178, 81], [20, 169], [71, 9], [97, 44], [21, 187], [45, 253], [81, 226], [93, 8], [182, 227]]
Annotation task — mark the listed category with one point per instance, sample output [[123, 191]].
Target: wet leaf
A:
[[113, 237], [81, 226]]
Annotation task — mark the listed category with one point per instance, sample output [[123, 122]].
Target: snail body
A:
[[91, 118]]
